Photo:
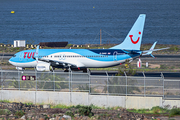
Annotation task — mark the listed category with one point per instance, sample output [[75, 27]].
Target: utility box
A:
[[19, 43]]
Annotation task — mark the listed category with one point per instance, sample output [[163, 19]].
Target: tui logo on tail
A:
[[135, 42]]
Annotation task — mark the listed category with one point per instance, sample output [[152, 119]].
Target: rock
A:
[[23, 117], [146, 119], [60, 114], [29, 115], [46, 106], [76, 115], [41, 119], [67, 117], [63, 119], [2, 116], [52, 119]]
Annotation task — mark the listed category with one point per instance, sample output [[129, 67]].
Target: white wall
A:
[[75, 98], [143, 102]]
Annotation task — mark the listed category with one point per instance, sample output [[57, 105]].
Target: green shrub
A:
[[174, 111], [19, 113], [61, 106], [163, 67], [157, 109], [30, 103], [70, 113], [5, 101], [5, 112], [85, 111]]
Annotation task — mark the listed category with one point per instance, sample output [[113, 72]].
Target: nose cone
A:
[[11, 61]]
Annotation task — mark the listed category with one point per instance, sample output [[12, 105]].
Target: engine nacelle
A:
[[44, 67], [19, 68]]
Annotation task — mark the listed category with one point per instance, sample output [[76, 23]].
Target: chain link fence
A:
[[94, 84]]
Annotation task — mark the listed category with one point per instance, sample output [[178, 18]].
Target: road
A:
[[166, 75], [6, 56]]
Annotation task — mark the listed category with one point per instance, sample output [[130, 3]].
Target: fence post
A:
[[2, 79], [107, 82], [54, 80], [89, 74], [70, 83], [18, 80], [163, 83], [126, 82], [69, 79], [36, 79], [36, 83], [89, 83], [144, 84]]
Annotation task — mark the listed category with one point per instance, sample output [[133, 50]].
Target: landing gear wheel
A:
[[84, 70], [66, 70]]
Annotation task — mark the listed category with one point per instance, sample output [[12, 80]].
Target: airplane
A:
[[81, 59]]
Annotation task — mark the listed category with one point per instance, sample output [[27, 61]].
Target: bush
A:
[[20, 113], [5, 112], [163, 67], [85, 111], [174, 111], [70, 113], [157, 109], [5, 101]]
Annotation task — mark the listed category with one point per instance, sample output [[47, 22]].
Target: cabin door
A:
[[115, 56], [20, 56]]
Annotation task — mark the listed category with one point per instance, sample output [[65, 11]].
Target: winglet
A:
[[36, 53], [153, 46]]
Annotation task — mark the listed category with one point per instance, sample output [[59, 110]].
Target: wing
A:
[[55, 63], [60, 64]]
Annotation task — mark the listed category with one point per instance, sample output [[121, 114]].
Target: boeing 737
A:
[[81, 59]]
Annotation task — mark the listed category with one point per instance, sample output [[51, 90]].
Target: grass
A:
[[85, 109], [5, 112], [174, 111], [61, 106], [157, 110], [5, 101], [19, 113], [29, 103], [154, 110]]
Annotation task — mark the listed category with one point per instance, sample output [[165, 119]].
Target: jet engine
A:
[[20, 68], [44, 67]]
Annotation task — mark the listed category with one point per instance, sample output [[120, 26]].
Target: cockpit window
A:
[[14, 56]]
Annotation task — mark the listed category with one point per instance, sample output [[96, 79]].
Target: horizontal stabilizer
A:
[[131, 51], [149, 52]]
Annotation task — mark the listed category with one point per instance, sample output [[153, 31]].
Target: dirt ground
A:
[[44, 112]]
